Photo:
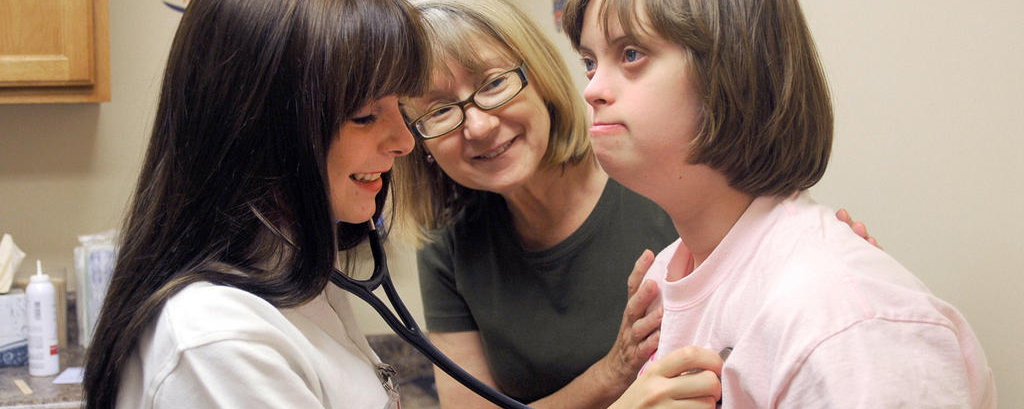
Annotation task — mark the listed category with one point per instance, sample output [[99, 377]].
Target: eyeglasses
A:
[[497, 91]]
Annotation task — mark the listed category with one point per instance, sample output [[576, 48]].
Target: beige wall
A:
[[928, 102]]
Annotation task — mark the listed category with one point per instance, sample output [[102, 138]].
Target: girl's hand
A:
[[640, 328], [686, 378], [858, 227]]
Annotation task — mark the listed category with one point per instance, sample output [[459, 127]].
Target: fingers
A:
[[639, 333], [639, 270], [698, 386], [843, 216], [858, 228], [656, 392], [641, 319], [687, 358], [639, 304]]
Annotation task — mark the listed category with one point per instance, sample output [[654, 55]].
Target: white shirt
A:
[[220, 347]]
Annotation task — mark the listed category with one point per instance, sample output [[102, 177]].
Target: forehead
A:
[[477, 56], [476, 65], [615, 18]]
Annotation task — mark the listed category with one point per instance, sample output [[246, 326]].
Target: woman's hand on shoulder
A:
[[688, 377], [860, 228], [640, 328]]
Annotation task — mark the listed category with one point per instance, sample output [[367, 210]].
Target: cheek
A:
[[444, 149]]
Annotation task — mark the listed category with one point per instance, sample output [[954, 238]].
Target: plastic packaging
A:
[[41, 311], [94, 264]]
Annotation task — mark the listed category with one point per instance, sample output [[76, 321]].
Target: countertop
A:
[[44, 393], [415, 378]]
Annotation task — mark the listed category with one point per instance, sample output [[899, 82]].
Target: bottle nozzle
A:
[[39, 267]]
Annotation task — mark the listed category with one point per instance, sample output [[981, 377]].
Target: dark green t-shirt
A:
[[544, 316]]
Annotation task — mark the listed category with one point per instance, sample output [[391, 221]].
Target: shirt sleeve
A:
[[882, 364], [444, 307], [234, 374]]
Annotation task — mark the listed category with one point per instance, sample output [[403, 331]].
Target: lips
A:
[[368, 181], [599, 128], [364, 177], [501, 149]]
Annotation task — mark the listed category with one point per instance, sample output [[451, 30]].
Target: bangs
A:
[[395, 51], [460, 39], [629, 14], [380, 50]]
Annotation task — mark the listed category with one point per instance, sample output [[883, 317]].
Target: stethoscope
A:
[[405, 326]]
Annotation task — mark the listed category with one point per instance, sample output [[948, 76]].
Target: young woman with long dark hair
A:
[[276, 130]]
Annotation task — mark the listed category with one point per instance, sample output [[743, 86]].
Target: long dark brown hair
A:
[[254, 93]]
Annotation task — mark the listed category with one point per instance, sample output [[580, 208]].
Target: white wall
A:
[[69, 169], [929, 102]]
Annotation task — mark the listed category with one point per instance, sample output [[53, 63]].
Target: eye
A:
[[440, 112], [365, 119], [632, 55], [589, 64], [496, 83]]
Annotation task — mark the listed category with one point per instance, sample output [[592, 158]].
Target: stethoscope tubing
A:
[[405, 326]]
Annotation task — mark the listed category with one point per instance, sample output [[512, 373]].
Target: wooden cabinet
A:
[[54, 51]]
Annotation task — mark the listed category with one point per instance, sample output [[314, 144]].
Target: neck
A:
[[555, 203], [703, 219]]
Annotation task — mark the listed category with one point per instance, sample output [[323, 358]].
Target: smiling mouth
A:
[[501, 149], [364, 177]]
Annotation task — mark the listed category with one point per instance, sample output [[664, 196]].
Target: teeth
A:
[[496, 152], [365, 177]]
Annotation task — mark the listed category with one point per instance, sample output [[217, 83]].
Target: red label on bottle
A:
[[53, 350]]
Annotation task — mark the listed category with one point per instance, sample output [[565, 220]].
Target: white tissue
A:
[[10, 259]]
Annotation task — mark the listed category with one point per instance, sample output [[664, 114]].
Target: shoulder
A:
[[203, 312], [815, 273], [207, 326]]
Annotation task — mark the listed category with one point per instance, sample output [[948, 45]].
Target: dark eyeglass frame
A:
[[520, 70]]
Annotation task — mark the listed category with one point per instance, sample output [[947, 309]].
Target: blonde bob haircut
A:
[[766, 117], [456, 31]]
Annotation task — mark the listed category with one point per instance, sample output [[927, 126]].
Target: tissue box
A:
[[13, 329]]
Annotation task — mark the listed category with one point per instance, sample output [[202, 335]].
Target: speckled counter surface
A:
[[45, 393], [415, 378], [415, 372]]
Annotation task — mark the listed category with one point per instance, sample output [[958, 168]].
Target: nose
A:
[[398, 141], [599, 90], [478, 124]]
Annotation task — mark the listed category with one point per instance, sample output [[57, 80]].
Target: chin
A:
[[623, 174], [354, 216]]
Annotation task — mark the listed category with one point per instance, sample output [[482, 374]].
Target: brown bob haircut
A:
[[766, 113]]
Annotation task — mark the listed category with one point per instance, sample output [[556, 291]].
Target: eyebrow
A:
[[625, 38], [614, 42]]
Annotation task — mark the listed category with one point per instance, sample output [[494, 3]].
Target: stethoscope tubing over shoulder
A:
[[405, 326]]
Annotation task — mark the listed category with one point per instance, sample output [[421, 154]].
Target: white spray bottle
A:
[[43, 358]]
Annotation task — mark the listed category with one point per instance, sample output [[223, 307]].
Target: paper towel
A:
[[10, 259]]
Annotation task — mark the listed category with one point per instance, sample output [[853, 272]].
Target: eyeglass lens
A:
[[495, 93]]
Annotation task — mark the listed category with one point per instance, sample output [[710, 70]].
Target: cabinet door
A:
[[46, 43]]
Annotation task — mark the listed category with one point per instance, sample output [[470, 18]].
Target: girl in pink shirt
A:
[[719, 112]]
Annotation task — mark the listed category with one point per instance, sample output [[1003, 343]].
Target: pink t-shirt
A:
[[819, 318]]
